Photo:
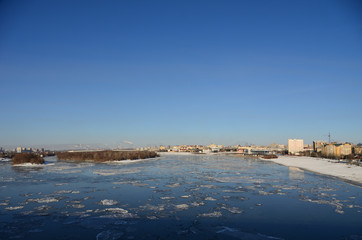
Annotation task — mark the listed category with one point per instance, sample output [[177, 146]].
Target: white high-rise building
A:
[[295, 146]]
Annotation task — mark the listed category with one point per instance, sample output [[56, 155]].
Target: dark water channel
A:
[[175, 197]]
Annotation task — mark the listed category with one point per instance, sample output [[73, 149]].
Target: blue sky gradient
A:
[[180, 72]]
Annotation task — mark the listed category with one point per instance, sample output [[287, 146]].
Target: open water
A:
[[175, 197]]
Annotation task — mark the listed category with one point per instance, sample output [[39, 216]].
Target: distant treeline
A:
[[102, 156], [20, 158], [269, 156]]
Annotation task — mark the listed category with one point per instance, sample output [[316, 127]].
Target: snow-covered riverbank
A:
[[323, 166]]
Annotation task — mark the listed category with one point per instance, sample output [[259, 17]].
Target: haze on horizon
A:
[[179, 72]]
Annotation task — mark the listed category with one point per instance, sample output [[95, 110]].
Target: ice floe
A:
[[43, 200], [210, 199], [215, 214], [174, 185], [233, 210], [14, 208], [43, 208], [186, 196], [167, 198], [78, 206], [108, 202], [181, 206], [111, 172]]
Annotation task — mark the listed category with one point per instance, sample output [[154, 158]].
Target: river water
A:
[[175, 197]]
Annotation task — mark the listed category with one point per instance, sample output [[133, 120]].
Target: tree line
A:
[[102, 156]]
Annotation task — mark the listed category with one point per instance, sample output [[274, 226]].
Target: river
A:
[[175, 197]]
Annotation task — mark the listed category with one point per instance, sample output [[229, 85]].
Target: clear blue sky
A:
[[180, 72]]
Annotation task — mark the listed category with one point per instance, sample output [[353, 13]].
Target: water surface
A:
[[175, 197]]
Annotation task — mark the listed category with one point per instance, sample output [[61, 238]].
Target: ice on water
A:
[[177, 195], [108, 202]]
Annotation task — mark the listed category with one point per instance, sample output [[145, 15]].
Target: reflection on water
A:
[[175, 197], [296, 173]]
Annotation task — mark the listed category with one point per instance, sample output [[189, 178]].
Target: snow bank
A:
[[323, 166]]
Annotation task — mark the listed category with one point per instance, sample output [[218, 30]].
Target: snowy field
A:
[[322, 166]]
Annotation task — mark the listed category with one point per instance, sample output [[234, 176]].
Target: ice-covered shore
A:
[[323, 166]]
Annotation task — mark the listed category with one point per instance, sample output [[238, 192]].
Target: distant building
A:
[[19, 149], [295, 146], [318, 145], [357, 150], [337, 149]]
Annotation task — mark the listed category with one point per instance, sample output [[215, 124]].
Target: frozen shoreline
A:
[[323, 166]]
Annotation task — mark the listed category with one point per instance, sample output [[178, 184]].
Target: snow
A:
[[322, 166]]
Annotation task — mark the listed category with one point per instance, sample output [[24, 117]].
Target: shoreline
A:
[[348, 173]]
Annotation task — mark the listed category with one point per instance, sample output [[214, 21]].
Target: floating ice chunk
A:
[[213, 214], [186, 196], [115, 172], [62, 191], [61, 184], [264, 193], [173, 185], [167, 198], [109, 235], [182, 206], [42, 200], [233, 210], [43, 208], [14, 208], [197, 204], [208, 186], [78, 206], [116, 210], [75, 192], [4, 204], [108, 202], [28, 164], [116, 213], [210, 199], [339, 211], [123, 182]]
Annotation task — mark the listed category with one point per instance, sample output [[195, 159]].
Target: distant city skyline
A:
[[187, 72]]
